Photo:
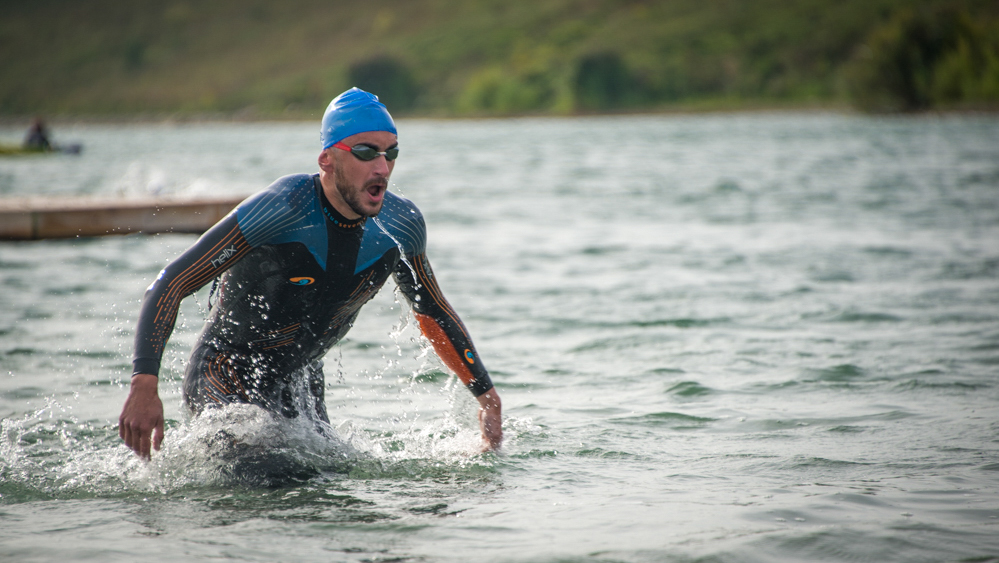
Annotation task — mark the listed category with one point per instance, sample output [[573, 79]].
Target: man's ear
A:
[[325, 161]]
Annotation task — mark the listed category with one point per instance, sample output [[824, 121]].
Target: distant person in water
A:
[[37, 138], [293, 265]]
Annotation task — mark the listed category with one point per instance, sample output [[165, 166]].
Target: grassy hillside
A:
[[485, 57]]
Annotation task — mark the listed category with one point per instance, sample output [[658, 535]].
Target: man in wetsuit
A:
[[297, 261]]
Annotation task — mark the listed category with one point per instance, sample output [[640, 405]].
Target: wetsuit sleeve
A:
[[218, 249], [440, 323]]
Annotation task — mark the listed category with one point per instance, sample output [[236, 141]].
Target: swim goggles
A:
[[366, 153]]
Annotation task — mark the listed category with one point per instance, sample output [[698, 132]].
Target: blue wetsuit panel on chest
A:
[[286, 212], [399, 225]]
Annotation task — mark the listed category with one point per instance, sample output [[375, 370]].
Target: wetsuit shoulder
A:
[[399, 224], [287, 211]]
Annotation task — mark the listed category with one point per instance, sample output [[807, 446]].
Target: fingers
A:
[[125, 431], [138, 439], [491, 419], [495, 439], [143, 450], [158, 435], [141, 422], [491, 443], [491, 424]]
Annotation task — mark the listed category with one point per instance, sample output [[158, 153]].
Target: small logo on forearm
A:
[[221, 258], [469, 357]]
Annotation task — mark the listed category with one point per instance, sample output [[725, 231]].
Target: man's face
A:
[[359, 185]]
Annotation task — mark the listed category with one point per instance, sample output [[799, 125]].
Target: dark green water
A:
[[738, 338]]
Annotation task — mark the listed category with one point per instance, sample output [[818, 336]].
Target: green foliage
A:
[[602, 82], [134, 55], [528, 81], [492, 57], [927, 58], [387, 78], [497, 91]]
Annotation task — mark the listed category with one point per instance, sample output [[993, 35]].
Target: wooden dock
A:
[[36, 218]]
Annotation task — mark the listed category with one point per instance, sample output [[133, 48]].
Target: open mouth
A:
[[376, 191]]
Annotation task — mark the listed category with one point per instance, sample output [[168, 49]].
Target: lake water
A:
[[718, 338]]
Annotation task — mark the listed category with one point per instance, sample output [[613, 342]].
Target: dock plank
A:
[[35, 218]]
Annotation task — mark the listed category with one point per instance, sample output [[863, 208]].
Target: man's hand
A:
[[142, 415], [491, 420]]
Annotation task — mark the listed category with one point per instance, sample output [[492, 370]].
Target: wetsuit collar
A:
[[332, 215]]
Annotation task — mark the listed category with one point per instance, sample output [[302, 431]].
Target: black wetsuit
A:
[[296, 275]]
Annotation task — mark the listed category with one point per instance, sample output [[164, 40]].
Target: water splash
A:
[[238, 445], [402, 252]]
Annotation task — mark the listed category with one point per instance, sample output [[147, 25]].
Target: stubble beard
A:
[[352, 197]]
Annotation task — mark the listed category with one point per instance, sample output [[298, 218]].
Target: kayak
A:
[[17, 150]]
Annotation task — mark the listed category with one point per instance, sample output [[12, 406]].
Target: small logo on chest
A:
[[302, 281]]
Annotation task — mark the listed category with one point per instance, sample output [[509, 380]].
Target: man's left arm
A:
[[441, 325]]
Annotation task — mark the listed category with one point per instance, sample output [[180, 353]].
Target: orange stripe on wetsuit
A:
[[445, 350], [441, 325]]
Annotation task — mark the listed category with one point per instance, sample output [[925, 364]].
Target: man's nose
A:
[[381, 165]]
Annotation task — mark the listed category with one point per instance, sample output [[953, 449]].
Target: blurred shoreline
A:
[[309, 117]]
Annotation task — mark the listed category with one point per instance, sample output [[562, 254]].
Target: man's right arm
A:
[[218, 249], [141, 422], [280, 213]]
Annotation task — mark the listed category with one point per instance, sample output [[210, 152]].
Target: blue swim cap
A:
[[355, 111]]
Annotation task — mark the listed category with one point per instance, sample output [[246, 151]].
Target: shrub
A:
[[387, 78], [498, 90], [919, 60], [602, 81]]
